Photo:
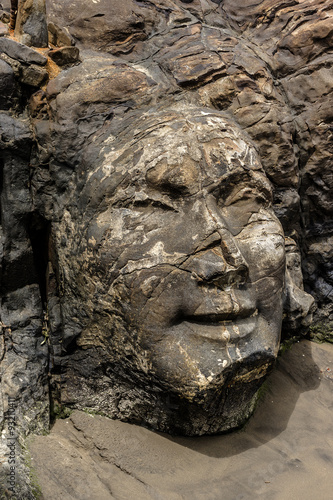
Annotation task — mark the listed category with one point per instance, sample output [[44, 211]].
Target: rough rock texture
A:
[[24, 355], [59, 37], [7, 85], [4, 30], [21, 52], [31, 23], [5, 17], [256, 78], [112, 27], [33, 75], [64, 55]]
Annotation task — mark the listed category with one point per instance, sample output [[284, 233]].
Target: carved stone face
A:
[[183, 257]]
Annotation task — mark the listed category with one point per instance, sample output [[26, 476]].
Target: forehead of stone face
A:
[[181, 151]]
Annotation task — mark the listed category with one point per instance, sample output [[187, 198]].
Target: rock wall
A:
[[24, 352]]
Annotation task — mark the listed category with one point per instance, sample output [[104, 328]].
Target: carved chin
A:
[[209, 386], [187, 380], [220, 404]]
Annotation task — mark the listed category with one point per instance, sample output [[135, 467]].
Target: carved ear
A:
[[298, 306]]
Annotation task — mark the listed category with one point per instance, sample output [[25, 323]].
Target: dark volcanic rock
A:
[[113, 27], [21, 52], [59, 37], [7, 85], [31, 24], [24, 353], [33, 75], [65, 55]]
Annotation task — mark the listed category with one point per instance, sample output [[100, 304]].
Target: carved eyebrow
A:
[[133, 202], [228, 179], [149, 201], [227, 182]]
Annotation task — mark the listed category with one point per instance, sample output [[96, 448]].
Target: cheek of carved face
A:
[[197, 280]]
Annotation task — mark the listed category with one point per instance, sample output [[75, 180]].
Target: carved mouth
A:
[[223, 328], [222, 317]]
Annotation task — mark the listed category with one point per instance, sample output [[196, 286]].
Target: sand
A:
[[284, 452]]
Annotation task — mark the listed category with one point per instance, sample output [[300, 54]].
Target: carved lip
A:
[[222, 327], [222, 317]]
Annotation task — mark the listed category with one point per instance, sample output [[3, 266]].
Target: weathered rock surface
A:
[[31, 23], [24, 355], [119, 280], [266, 63], [59, 37], [21, 52], [65, 55], [4, 30], [113, 27], [4, 17], [265, 68], [7, 85], [33, 75]]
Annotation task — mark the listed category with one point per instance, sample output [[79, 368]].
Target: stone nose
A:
[[228, 255], [211, 267], [218, 260]]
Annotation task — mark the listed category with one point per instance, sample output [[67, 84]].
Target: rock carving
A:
[[165, 204]]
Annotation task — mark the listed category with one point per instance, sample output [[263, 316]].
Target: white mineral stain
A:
[[117, 228], [157, 255], [140, 196], [109, 139], [238, 353], [142, 69], [236, 329], [197, 207], [226, 336], [158, 252], [149, 284], [228, 353], [106, 169], [92, 241]]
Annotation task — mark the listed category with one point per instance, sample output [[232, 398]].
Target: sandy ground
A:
[[285, 452]]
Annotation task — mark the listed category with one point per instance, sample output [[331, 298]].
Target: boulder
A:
[[4, 30], [60, 37], [33, 75], [7, 85], [65, 55], [31, 24], [21, 52]]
